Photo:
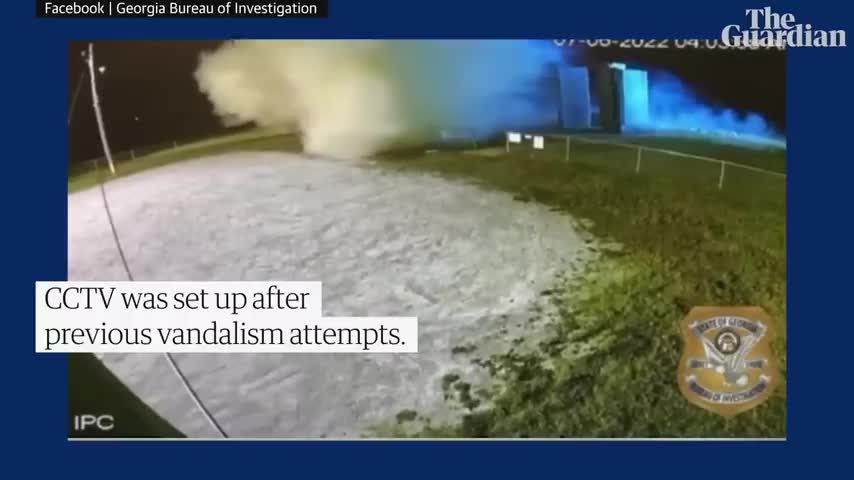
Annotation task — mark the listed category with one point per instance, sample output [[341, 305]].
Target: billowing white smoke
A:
[[356, 97]]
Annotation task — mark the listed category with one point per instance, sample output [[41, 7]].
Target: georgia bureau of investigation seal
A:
[[727, 364]]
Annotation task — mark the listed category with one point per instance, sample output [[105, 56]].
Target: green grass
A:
[[742, 186], [608, 366]]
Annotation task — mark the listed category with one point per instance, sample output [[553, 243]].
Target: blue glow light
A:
[[673, 107]]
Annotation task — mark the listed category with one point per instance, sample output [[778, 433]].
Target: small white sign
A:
[[539, 142], [514, 137], [527, 136]]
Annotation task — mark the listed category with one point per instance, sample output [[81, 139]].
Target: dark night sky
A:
[[153, 80]]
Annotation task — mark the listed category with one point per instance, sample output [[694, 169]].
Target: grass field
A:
[[742, 186], [608, 366]]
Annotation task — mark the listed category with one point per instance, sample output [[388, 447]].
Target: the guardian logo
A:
[[769, 29]]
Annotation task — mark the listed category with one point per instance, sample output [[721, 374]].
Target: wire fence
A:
[[127, 157], [645, 159], [626, 157], [79, 168]]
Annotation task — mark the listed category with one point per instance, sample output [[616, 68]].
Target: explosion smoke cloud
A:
[[673, 106], [357, 97]]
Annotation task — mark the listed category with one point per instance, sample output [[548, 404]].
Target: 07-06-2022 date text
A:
[[708, 43]]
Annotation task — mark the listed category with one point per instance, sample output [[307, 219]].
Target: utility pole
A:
[[97, 106]]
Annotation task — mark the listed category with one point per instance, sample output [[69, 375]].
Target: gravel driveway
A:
[[469, 263]]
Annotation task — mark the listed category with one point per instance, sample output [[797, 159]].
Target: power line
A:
[[74, 98], [169, 358]]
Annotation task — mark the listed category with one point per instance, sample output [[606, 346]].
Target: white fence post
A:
[[638, 162], [721, 179], [174, 143], [566, 158], [507, 143], [132, 155]]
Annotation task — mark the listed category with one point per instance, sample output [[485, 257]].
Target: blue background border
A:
[[820, 178]]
